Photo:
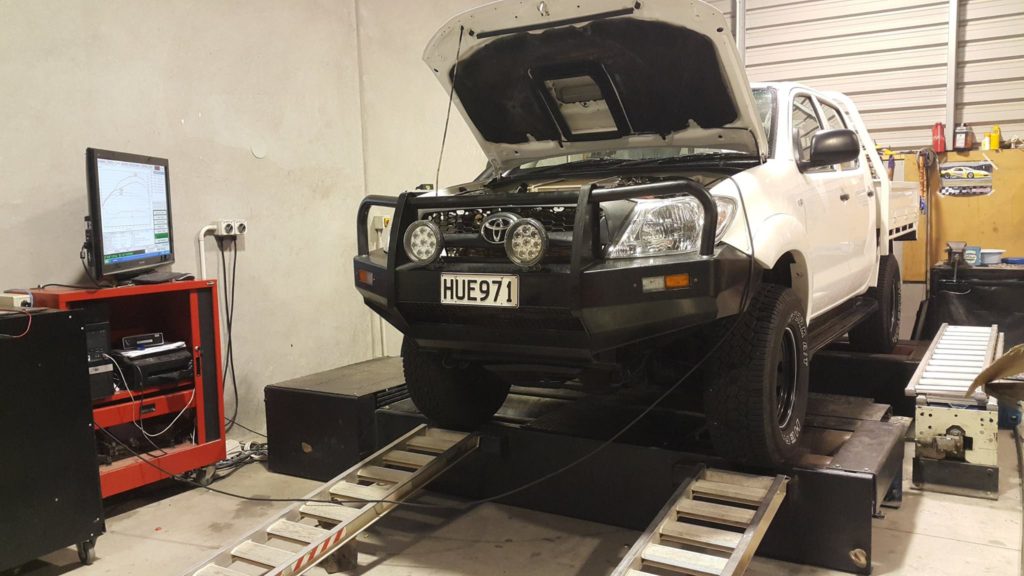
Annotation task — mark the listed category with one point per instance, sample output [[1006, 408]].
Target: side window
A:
[[805, 125], [835, 121]]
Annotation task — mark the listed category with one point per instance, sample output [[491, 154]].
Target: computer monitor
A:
[[129, 213]]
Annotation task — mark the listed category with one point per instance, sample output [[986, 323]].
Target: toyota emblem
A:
[[496, 226]]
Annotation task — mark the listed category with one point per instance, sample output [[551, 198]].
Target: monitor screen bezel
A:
[[100, 268]]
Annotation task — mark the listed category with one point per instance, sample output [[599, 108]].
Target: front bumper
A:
[[568, 312]]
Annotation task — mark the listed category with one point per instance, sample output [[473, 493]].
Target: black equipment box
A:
[[50, 487], [163, 368], [320, 425], [101, 368], [978, 296]]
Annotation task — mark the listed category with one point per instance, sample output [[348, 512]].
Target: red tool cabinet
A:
[[183, 311]]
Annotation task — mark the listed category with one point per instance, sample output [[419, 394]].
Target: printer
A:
[[153, 366]]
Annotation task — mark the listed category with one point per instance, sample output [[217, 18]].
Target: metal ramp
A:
[[307, 533], [710, 527], [957, 355], [956, 436]]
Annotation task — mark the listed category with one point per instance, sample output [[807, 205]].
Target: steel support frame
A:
[[825, 519]]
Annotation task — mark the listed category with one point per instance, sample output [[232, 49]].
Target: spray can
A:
[[961, 138], [996, 137]]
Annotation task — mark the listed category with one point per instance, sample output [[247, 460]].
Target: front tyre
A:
[[879, 332], [757, 399], [456, 395]]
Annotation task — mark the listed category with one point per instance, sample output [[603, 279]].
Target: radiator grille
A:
[[469, 220], [556, 219]]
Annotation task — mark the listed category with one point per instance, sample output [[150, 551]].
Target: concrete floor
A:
[[167, 529]]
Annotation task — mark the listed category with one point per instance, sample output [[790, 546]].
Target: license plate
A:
[[480, 290]]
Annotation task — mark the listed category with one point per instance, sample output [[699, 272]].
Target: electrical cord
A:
[[82, 256], [176, 418], [561, 470], [59, 285], [138, 421], [88, 273], [28, 325], [229, 317]]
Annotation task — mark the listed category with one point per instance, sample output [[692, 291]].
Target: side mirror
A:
[[832, 147]]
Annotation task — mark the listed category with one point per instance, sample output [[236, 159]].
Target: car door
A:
[[825, 210], [860, 214]]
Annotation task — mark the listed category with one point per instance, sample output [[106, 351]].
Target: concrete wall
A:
[[205, 84], [404, 106]]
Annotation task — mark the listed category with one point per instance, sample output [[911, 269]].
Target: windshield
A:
[[764, 98]]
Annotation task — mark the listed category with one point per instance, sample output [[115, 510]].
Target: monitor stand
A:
[[161, 277]]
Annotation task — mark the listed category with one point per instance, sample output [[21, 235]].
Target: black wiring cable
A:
[[85, 267], [229, 315], [448, 116], [59, 285], [561, 470], [88, 273], [229, 312], [244, 427]]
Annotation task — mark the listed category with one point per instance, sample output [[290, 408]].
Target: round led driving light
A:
[[526, 242], [423, 241]]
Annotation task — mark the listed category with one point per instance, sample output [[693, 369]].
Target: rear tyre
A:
[[456, 395], [757, 397], [879, 332]]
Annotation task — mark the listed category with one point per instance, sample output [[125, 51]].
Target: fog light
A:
[[526, 242], [423, 242]]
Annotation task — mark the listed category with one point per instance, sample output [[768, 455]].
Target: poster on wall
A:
[[966, 178]]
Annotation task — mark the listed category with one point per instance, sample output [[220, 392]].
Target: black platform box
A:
[[320, 425], [50, 483]]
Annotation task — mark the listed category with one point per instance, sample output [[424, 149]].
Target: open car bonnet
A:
[[541, 78]]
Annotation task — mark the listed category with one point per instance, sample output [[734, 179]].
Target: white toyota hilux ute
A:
[[645, 210]]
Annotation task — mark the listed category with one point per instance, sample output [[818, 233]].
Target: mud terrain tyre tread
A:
[[879, 332], [740, 402], [459, 397]]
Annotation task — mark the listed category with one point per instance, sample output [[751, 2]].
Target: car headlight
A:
[[423, 242], [672, 226]]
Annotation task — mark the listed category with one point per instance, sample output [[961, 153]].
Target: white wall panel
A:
[[934, 97], [823, 10], [863, 63], [889, 57], [884, 81], [990, 71], [935, 15], [827, 47], [994, 71]]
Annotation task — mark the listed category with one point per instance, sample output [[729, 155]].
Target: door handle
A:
[[844, 196], [871, 193]]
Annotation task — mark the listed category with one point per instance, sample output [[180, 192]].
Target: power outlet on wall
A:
[[231, 227]]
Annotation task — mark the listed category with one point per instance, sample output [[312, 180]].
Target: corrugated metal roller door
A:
[[990, 66], [890, 58]]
